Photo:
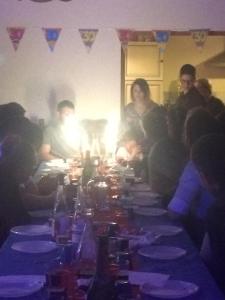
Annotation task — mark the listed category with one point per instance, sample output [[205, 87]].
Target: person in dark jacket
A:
[[190, 96]]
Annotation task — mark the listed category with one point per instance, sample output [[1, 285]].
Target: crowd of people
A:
[[179, 150]]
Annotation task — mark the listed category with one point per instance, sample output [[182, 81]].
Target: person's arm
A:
[[34, 201], [187, 190], [45, 152]]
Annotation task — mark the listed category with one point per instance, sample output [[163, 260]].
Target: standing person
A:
[[63, 138], [190, 96], [141, 105], [208, 155], [214, 105]]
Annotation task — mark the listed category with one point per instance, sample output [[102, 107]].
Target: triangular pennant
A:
[[88, 37], [15, 35], [52, 36], [199, 37], [125, 36], [162, 38]]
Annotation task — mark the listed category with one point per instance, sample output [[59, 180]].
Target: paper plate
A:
[[34, 247], [162, 252], [173, 289], [31, 230], [20, 286], [164, 230], [153, 211]]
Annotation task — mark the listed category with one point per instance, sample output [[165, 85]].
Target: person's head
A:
[[154, 124], [140, 91], [187, 77], [204, 87], [208, 155], [11, 110], [199, 122], [166, 161], [176, 115], [18, 157], [24, 128], [65, 110], [130, 140]]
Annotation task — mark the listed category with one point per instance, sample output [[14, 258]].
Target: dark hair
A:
[[11, 110], [166, 161], [143, 84], [188, 69], [208, 154], [65, 103], [24, 128], [199, 122]]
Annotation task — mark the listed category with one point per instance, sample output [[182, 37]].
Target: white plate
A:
[[173, 289], [20, 286], [34, 246], [144, 202], [153, 211], [164, 230], [162, 252], [31, 230]]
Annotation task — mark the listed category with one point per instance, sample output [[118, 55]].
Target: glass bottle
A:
[[102, 286]]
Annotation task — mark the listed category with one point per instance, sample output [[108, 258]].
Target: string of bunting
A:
[[88, 37]]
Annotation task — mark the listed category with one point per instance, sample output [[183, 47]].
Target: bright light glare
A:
[[111, 134]]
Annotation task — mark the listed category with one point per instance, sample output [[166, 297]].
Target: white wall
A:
[[38, 78]]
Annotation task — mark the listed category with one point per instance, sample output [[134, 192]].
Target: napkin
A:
[[137, 241], [155, 279]]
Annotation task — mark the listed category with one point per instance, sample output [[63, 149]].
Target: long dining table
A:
[[187, 268]]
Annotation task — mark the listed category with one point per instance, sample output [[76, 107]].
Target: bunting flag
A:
[[162, 38], [15, 35], [52, 36], [125, 36], [199, 37], [144, 36], [88, 37]]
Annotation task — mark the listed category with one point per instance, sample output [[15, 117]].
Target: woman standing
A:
[[140, 106]]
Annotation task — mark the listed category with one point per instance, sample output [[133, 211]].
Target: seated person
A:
[[191, 200], [190, 96], [62, 139], [208, 155], [16, 166], [129, 149], [166, 162], [213, 104]]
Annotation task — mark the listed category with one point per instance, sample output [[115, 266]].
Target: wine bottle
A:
[[88, 169], [102, 286]]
